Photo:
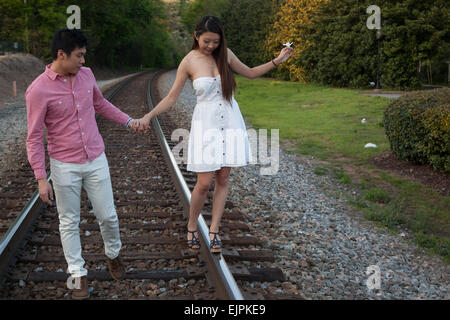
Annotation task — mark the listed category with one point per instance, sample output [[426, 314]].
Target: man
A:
[[65, 98]]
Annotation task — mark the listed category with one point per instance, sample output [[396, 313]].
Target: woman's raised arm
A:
[[252, 73]]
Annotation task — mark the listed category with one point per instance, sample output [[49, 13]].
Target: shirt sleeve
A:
[[36, 110], [106, 108]]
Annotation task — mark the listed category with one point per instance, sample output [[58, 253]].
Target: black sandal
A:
[[194, 243], [214, 243]]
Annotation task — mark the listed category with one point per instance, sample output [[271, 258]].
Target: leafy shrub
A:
[[418, 127]]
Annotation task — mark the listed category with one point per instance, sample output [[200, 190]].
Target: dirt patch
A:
[[424, 174], [288, 145], [383, 92], [22, 68]]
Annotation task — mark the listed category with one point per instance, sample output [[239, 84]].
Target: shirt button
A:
[[65, 80], [82, 133], [85, 147], [73, 92], [222, 128], [79, 119], [89, 91], [59, 102], [218, 91], [78, 105]]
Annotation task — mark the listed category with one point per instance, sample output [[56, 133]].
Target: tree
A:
[[192, 12], [120, 32], [247, 25], [341, 51], [33, 22], [290, 25]]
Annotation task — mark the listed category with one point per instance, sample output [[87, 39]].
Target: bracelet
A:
[[276, 65], [128, 122]]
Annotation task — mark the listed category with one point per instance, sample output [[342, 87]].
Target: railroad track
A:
[[152, 196]]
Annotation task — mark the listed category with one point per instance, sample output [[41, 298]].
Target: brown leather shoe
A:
[[116, 268], [82, 292]]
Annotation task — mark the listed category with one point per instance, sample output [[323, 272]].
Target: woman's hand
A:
[[144, 124], [134, 125], [284, 55]]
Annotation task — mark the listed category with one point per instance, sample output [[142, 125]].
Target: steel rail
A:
[[227, 287]]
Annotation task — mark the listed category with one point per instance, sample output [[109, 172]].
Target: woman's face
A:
[[208, 42]]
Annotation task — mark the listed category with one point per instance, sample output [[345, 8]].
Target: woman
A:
[[217, 122]]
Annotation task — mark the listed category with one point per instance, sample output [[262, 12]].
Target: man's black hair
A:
[[67, 40]]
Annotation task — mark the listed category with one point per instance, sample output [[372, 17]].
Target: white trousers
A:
[[94, 177]]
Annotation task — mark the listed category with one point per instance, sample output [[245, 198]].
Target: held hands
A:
[[134, 125], [144, 125], [140, 125]]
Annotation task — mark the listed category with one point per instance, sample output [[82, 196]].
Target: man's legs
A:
[[67, 182], [97, 183]]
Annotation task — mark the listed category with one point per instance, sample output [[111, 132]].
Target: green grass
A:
[[320, 171], [326, 123], [422, 210], [377, 195], [342, 176]]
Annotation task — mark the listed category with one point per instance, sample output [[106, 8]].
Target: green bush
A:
[[418, 127]]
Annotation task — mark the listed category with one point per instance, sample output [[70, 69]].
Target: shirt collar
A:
[[50, 73]]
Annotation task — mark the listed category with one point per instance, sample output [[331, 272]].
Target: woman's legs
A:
[[199, 194], [198, 198], [220, 197]]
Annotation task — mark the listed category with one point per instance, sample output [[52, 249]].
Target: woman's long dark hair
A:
[[212, 24]]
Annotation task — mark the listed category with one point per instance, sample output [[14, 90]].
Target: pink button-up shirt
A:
[[69, 115]]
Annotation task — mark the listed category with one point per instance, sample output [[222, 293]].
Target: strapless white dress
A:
[[218, 136]]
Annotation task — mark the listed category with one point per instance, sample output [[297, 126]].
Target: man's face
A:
[[74, 62]]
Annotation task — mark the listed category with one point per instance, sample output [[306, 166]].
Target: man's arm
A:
[[36, 110]]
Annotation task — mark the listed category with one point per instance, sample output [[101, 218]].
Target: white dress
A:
[[218, 136]]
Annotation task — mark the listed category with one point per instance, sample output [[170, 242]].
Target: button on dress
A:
[[218, 136]]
